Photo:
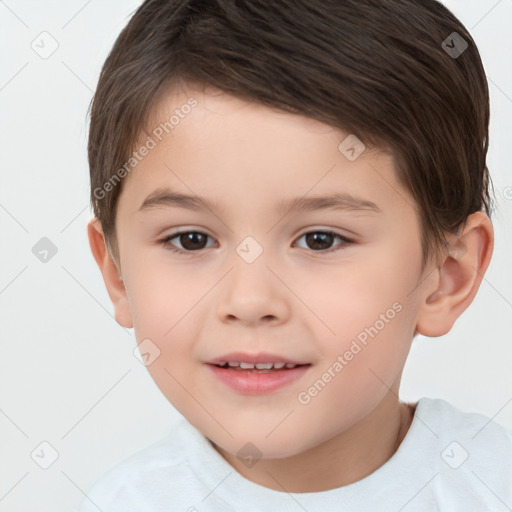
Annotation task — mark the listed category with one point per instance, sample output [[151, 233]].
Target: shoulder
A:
[[474, 452], [138, 480], [449, 420]]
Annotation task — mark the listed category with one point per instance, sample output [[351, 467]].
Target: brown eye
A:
[[190, 241], [193, 241], [321, 241]]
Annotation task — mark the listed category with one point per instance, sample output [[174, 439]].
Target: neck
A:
[[344, 459]]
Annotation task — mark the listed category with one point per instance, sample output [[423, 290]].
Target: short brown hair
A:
[[392, 72]]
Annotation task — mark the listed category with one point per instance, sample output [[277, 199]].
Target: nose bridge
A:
[[250, 275], [253, 292]]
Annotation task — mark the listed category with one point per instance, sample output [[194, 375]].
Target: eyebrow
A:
[[165, 197]]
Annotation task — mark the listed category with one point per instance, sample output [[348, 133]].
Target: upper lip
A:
[[261, 357]]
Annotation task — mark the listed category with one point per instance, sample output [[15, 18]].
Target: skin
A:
[[296, 299]]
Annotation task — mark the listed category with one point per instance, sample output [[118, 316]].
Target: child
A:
[[265, 129]]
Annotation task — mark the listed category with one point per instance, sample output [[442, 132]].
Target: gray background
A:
[[67, 372]]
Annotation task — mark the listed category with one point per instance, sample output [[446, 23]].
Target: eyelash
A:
[[166, 241]]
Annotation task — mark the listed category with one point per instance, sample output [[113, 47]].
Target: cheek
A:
[[368, 315], [168, 307], [167, 311], [162, 308], [354, 295], [161, 295]]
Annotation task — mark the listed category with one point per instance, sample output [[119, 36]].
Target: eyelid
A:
[[350, 235], [165, 241]]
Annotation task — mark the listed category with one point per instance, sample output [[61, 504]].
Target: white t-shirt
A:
[[449, 461]]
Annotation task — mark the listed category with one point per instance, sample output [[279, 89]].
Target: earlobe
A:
[[111, 274], [459, 276]]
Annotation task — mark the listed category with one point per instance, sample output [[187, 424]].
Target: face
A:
[[255, 278]]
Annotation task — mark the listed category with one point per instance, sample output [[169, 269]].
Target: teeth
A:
[[264, 366], [258, 366]]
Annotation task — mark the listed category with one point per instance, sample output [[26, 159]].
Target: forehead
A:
[[215, 102], [214, 145]]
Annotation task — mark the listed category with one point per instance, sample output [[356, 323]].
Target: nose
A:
[[253, 294]]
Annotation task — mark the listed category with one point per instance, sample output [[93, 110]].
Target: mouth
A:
[[240, 366], [258, 374]]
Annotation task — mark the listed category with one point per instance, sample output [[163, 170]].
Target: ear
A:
[[454, 283], [111, 275]]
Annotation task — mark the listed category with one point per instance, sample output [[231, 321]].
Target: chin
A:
[[280, 447]]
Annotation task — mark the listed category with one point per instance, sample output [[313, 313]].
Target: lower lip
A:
[[254, 383]]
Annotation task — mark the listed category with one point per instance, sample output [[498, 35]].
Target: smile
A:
[[257, 378], [235, 365]]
